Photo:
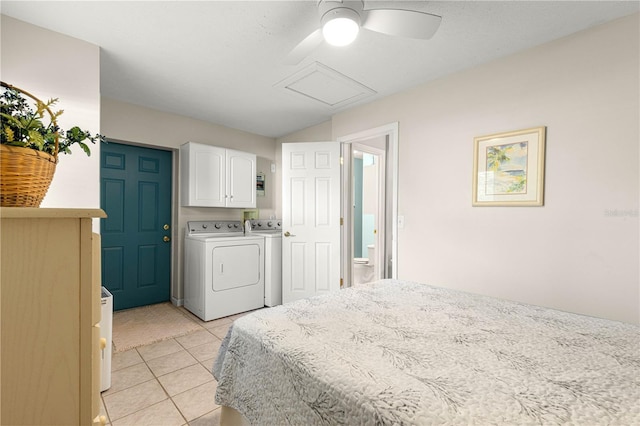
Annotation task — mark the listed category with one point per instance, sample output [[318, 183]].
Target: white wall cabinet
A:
[[241, 179], [50, 315], [211, 176]]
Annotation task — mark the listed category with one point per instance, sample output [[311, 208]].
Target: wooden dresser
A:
[[49, 317]]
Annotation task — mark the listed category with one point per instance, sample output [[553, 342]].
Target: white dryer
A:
[[223, 269]]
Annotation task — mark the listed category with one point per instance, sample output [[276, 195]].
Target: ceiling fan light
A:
[[340, 31], [340, 26]]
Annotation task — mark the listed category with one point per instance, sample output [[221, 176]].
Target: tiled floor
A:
[[167, 383]]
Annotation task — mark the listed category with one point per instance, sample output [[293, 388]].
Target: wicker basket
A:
[[25, 173]]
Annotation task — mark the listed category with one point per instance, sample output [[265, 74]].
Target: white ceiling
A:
[[222, 61]]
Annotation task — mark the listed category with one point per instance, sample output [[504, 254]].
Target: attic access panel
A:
[[325, 85]]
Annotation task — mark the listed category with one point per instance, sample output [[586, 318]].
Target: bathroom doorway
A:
[[369, 205], [368, 200]]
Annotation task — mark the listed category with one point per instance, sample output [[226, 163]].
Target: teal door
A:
[[135, 192]]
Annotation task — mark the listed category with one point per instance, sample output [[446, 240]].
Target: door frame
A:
[[390, 131]]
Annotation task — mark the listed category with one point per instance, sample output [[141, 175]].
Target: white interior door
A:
[[310, 219]]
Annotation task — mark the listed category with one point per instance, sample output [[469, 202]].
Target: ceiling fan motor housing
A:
[[332, 9], [340, 32]]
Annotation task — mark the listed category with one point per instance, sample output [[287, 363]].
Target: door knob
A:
[[166, 239], [166, 227], [288, 234]]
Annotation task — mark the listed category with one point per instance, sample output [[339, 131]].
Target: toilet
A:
[[364, 267]]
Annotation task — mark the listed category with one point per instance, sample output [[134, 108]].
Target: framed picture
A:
[[508, 168]]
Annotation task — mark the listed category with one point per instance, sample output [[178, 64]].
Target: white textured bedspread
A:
[[401, 353]]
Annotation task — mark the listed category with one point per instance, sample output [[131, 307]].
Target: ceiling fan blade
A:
[[404, 23], [304, 48]]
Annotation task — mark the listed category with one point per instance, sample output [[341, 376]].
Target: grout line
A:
[[156, 378]]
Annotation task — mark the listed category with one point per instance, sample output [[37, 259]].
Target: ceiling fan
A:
[[341, 20]]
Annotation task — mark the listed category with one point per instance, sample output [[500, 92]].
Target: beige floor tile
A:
[[136, 398], [156, 350], [198, 401], [241, 314], [172, 362], [125, 359], [185, 379], [163, 413], [187, 313], [210, 419], [196, 338], [128, 377], [206, 351], [208, 363], [220, 331], [218, 322]]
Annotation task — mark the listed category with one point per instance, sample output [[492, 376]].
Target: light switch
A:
[[401, 221], [273, 167]]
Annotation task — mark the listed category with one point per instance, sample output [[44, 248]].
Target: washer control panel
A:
[[266, 224], [214, 226]]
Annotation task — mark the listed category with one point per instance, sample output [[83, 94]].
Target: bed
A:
[[402, 353]]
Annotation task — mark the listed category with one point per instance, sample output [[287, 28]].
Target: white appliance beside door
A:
[[223, 271], [310, 219]]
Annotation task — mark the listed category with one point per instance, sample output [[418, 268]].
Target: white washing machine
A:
[[223, 269], [271, 229]]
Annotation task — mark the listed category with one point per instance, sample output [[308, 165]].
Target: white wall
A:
[[139, 125], [580, 252], [52, 65], [143, 126]]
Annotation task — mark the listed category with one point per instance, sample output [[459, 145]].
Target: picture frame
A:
[[508, 168]]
